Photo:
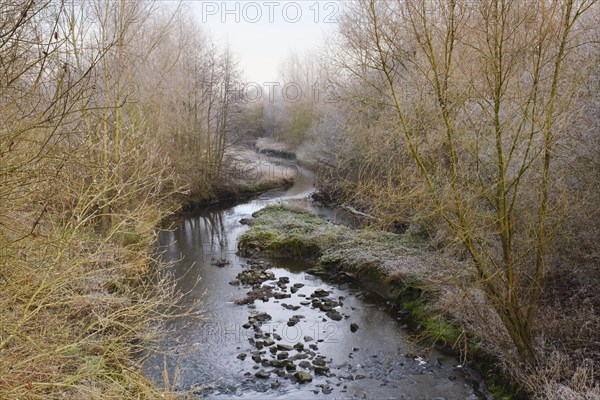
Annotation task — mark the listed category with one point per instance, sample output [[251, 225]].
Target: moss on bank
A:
[[394, 265], [285, 231], [388, 260]]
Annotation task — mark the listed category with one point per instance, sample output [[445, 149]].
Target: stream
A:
[[376, 359]]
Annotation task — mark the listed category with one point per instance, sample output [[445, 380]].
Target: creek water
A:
[[379, 360]]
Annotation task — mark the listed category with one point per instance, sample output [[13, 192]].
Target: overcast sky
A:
[[262, 33]]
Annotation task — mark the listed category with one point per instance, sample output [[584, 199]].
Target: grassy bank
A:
[[230, 192], [245, 173], [79, 308], [399, 267], [279, 149]]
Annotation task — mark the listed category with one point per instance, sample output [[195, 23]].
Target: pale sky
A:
[[263, 33]]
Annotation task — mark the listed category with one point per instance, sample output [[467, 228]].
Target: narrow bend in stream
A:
[[377, 361]]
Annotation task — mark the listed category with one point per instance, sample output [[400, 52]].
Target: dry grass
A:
[[560, 379], [79, 310]]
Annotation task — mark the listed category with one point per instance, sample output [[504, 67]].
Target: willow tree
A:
[[493, 79]]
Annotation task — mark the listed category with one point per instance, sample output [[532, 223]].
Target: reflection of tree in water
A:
[[207, 229], [215, 230]]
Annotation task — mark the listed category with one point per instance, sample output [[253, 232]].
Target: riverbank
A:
[[79, 307], [279, 149], [399, 267], [246, 174]]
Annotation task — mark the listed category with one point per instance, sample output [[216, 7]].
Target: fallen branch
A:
[[354, 211]]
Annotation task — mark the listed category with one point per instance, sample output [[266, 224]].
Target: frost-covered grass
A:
[[290, 231], [390, 262], [281, 230]]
